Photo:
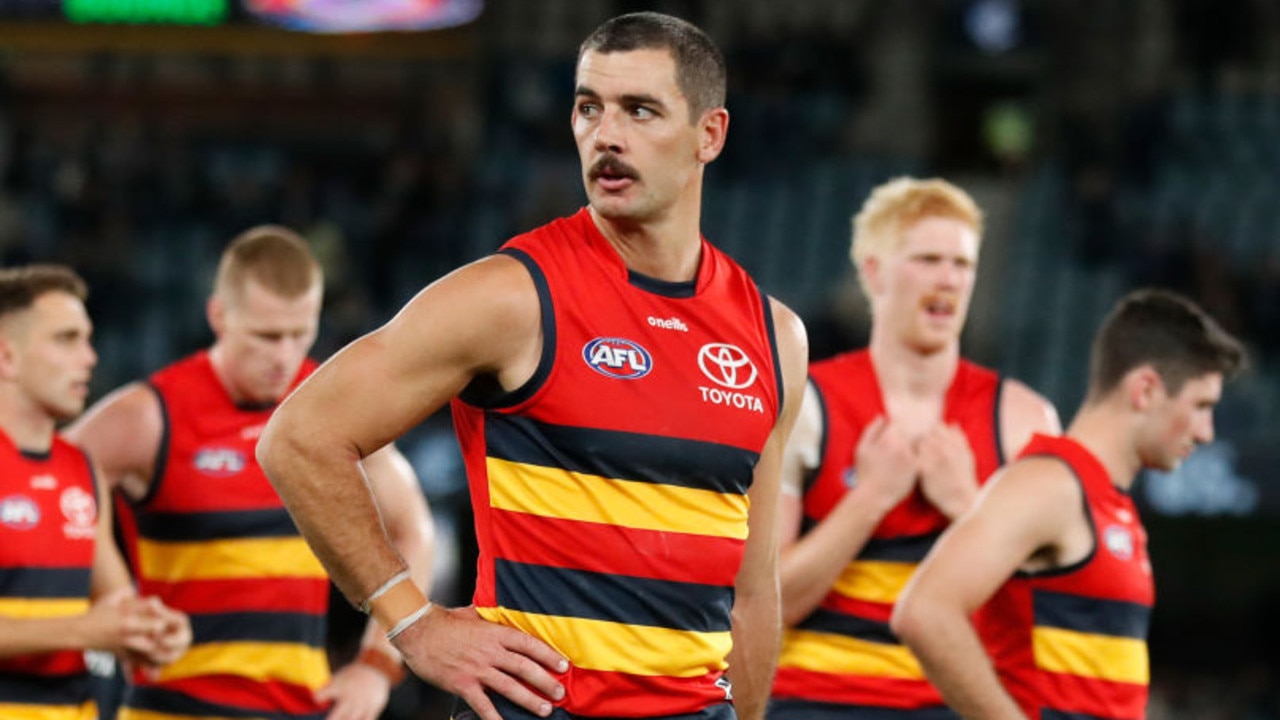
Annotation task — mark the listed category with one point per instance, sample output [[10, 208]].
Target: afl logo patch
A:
[[617, 358], [19, 512], [1119, 541], [219, 462]]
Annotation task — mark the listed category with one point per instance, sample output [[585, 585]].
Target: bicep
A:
[[122, 434], [1018, 513], [799, 457], [765, 487], [480, 319]]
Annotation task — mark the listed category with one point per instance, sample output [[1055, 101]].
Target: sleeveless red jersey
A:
[[212, 539], [611, 489], [1072, 642], [48, 523], [844, 653]]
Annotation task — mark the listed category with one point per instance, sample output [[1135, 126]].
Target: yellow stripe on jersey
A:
[[616, 647], [283, 662], [40, 608], [254, 558], [14, 711], [844, 655], [559, 493], [874, 580], [1102, 657]]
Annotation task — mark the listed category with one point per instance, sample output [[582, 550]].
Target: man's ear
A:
[[8, 357], [872, 278], [714, 127], [1142, 387], [215, 311]]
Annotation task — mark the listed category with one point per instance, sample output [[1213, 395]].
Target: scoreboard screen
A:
[[338, 16], [178, 12]]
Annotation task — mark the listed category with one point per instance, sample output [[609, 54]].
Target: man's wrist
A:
[[392, 668]]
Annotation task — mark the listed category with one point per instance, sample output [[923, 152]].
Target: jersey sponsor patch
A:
[[19, 512], [617, 358], [727, 366], [219, 461], [81, 512], [1119, 541]]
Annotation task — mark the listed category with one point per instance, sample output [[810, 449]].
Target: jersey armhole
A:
[[1093, 531], [161, 461], [484, 392]]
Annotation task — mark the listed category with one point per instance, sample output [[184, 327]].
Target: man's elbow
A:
[[910, 620], [269, 452]]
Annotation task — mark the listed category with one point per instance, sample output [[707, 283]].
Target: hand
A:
[[948, 474], [885, 463], [121, 623], [357, 691], [170, 641], [460, 652]]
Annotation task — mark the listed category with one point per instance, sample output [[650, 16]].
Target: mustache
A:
[[610, 165]]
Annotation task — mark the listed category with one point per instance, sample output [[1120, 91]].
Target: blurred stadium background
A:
[[1112, 143]]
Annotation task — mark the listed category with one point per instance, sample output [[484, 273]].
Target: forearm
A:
[[28, 636], [813, 563], [953, 658], [756, 631], [326, 494]]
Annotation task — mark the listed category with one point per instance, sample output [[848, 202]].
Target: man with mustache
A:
[[892, 443], [1053, 552], [63, 587], [622, 392]]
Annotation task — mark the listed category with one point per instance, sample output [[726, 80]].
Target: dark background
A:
[[1112, 143]]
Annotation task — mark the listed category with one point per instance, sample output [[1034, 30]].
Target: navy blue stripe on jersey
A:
[[38, 582], [159, 700], [267, 627], [1116, 618], [621, 455], [204, 526], [44, 690], [1050, 714], [808, 710], [906, 548], [834, 623], [614, 598]]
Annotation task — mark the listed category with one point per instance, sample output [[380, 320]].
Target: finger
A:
[[518, 693], [480, 703], [532, 675], [534, 649]]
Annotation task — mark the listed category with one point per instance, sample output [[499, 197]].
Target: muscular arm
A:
[[756, 601], [1024, 511], [122, 433], [360, 690], [1023, 413], [482, 319]]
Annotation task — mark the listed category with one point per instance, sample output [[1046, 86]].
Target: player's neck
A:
[[28, 426], [667, 248], [218, 361], [905, 371], [1106, 432]]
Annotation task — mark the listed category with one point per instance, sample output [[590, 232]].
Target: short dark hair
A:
[[21, 286], [272, 255], [1167, 331], [700, 66]]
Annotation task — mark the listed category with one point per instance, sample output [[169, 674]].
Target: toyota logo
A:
[[726, 365]]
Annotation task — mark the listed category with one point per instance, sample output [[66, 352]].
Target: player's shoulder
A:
[[1023, 407]]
